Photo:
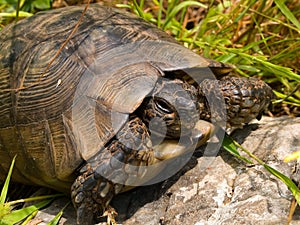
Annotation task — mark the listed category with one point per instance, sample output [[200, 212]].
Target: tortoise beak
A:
[[168, 149], [202, 131]]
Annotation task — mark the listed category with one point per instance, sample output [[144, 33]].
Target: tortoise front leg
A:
[[107, 173], [122, 164]]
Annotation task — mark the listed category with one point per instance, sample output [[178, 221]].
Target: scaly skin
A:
[[91, 192], [244, 100], [93, 189], [175, 103], [43, 123], [123, 162]]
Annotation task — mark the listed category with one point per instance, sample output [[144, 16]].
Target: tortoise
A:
[[120, 98]]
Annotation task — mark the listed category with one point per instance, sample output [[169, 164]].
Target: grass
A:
[[10, 9], [258, 38], [233, 147], [9, 215]]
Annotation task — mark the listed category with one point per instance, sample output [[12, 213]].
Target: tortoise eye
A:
[[163, 106]]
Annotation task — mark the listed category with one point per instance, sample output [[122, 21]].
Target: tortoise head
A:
[[171, 110]]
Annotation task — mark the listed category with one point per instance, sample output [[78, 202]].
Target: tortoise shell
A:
[[55, 118]]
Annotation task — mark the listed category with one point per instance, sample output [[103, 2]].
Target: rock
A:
[[212, 190]]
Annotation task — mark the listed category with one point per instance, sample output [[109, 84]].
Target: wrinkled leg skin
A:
[[104, 175]]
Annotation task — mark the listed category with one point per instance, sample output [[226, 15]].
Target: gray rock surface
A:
[[216, 190]]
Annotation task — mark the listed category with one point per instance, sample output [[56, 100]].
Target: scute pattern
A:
[[28, 97], [32, 97], [80, 122]]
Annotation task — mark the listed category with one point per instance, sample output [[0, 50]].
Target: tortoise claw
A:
[[110, 213], [84, 215], [91, 195], [105, 174], [82, 197]]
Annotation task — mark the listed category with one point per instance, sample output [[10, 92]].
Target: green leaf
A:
[[248, 68], [242, 14], [8, 217], [30, 217], [138, 9], [284, 9], [4, 210], [288, 182], [13, 14], [179, 7], [6, 184], [57, 217], [42, 4], [266, 65], [20, 214], [32, 5], [35, 198], [229, 145]]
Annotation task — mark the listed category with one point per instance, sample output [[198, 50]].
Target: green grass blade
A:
[[159, 15], [278, 70], [276, 20], [142, 2], [57, 217], [229, 145], [18, 10], [261, 62], [138, 9], [126, 6], [179, 7], [30, 217], [35, 198], [244, 11], [13, 14], [20, 214], [286, 99], [6, 184], [284, 9], [288, 182]]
